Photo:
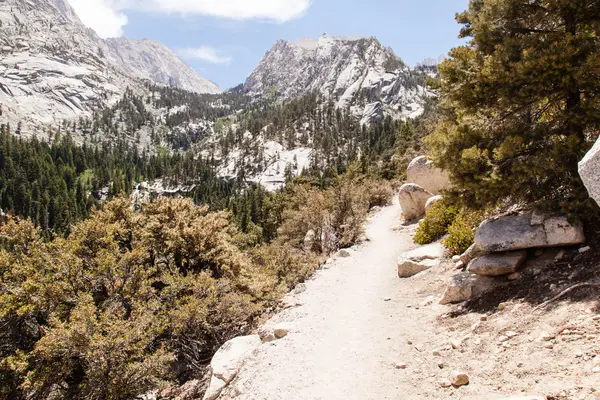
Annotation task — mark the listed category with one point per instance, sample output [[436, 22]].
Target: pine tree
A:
[[520, 101]]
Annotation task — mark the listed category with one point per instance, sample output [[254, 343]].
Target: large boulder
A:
[[466, 286], [498, 264], [589, 170], [525, 231], [419, 260], [413, 199], [422, 172], [227, 362]]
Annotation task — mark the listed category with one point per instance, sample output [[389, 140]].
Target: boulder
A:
[[422, 172], [517, 232], [413, 199], [432, 201], [589, 171], [465, 286], [469, 255], [309, 240], [498, 264], [227, 362], [419, 260]]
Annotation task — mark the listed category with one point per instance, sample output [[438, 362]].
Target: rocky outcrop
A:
[[498, 264], [589, 170], [465, 286], [413, 199], [419, 260], [422, 172], [227, 362], [525, 231]]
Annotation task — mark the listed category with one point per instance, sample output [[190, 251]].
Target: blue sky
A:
[[225, 39]]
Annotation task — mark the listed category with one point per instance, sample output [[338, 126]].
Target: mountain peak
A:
[[354, 71]]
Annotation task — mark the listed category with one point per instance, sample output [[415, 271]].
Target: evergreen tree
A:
[[520, 101]]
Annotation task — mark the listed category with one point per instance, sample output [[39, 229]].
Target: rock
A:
[[560, 255], [589, 169], [584, 249], [459, 379], [515, 276], [455, 259], [300, 288], [387, 299], [445, 383], [432, 201], [413, 199], [460, 265], [227, 362], [471, 253], [281, 331], [189, 391], [422, 172], [419, 260], [465, 286], [515, 232], [400, 365], [498, 264], [343, 254], [309, 240], [511, 334], [503, 339], [456, 344]]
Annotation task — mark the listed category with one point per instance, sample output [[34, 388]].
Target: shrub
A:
[[379, 193], [436, 222], [462, 232]]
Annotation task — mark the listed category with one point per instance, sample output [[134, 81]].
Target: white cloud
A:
[[101, 15], [204, 53], [107, 18]]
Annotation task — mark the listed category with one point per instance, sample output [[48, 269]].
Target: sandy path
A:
[[345, 338]]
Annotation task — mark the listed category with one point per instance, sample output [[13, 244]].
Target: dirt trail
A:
[[357, 318]]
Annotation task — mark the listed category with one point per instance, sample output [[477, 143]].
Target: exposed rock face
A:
[[589, 170], [516, 232], [227, 362], [309, 240], [358, 73], [147, 59], [419, 260], [422, 172], [53, 67], [465, 286], [498, 264], [413, 199]]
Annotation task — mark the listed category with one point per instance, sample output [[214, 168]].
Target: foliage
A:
[[461, 232], [439, 217], [520, 102]]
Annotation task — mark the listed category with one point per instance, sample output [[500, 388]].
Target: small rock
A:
[[553, 287], [514, 276], [549, 346], [441, 365], [343, 254], [300, 288], [400, 365], [460, 265], [511, 334], [561, 255], [456, 344], [455, 259], [483, 318], [280, 332], [436, 353], [503, 339], [445, 383], [501, 306], [459, 379], [387, 299], [584, 249]]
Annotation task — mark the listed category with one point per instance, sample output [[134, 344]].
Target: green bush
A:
[[436, 222], [462, 232]]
